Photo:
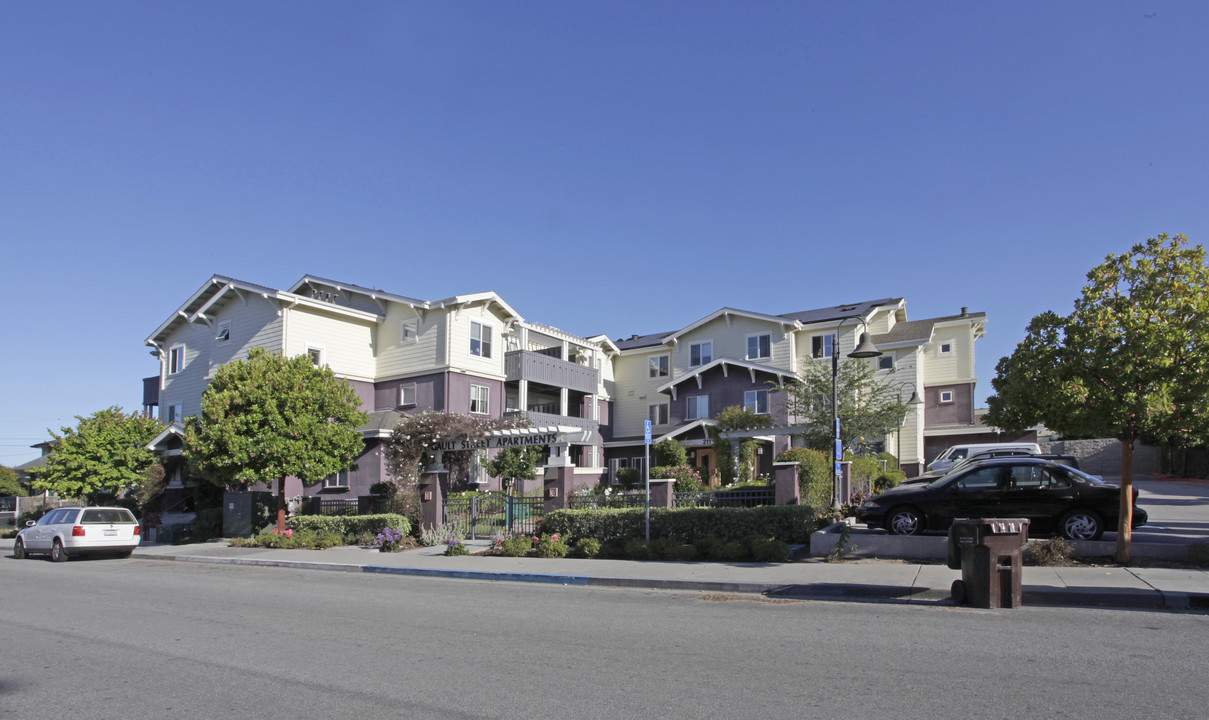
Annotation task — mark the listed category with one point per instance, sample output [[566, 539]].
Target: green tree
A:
[[868, 408], [8, 482], [105, 453], [515, 463], [670, 453], [736, 418], [1131, 362], [270, 417]]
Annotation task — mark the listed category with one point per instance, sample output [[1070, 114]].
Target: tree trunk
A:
[[281, 504], [1125, 522]]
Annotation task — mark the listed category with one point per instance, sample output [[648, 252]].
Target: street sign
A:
[[646, 433]]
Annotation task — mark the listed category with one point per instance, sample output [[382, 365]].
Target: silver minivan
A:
[[72, 531], [957, 453]]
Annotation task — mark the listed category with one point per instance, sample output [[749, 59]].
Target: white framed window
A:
[[224, 332], [658, 366], [946, 348], [339, 480], [407, 395], [946, 396], [176, 359], [756, 401], [480, 399], [696, 407], [886, 362], [478, 469], [657, 413], [759, 347], [409, 330], [701, 353], [480, 339], [176, 413], [639, 464], [822, 346], [315, 353]]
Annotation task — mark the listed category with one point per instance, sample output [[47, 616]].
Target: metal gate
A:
[[493, 513]]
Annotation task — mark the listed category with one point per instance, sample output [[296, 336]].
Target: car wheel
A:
[[957, 591], [58, 553], [19, 550], [905, 521], [1081, 525]]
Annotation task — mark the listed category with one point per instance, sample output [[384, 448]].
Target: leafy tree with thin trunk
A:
[[270, 417], [105, 453], [868, 408], [515, 463], [8, 482], [1130, 362]]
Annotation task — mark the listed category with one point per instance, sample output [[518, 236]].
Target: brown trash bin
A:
[[991, 552]]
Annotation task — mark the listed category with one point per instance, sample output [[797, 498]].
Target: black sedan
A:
[[1055, 498]]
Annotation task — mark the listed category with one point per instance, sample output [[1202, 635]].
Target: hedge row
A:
[[788, 523], [350, 525]]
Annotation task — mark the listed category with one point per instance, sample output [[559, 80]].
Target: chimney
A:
[[965, 311]]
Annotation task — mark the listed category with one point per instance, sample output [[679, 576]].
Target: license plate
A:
[[111, 533]]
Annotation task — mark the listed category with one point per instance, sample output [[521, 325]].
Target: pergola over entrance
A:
[[765, 433], [558, 437]]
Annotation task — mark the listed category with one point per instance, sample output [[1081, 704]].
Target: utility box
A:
[[244, 513], [990, 554]]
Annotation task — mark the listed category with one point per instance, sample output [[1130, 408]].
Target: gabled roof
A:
[[841, 312], [920, 332], [727, 313], [640, 341], [350, 287], [725, 364]]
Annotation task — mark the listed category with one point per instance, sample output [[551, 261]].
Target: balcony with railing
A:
[[549, 369]]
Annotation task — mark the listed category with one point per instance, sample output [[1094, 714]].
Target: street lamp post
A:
[[864, 349]]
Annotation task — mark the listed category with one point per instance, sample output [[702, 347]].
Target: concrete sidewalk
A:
[[884, 581]]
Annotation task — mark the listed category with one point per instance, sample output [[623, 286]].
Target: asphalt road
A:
[[1178, 511], [143, 638]]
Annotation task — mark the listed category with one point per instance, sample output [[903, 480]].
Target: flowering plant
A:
[[456, 547], [389, 540]]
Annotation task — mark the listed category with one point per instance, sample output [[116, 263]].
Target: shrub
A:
[[291, 539], [349, 527], [730, 551], [550, 546], [1054, 551], [389, 540], [431, 536], [637, 549], [670, 452], [687, 478], [815, 477], [864, 470], [889, 479], [788, 523], [770, 550], [514, 545], [629, 478], [588, 547], [672, 549], [456, 547]]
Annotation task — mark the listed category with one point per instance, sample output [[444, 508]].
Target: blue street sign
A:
[[646, 432]]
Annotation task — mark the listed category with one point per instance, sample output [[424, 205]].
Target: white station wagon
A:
[[72, 531]]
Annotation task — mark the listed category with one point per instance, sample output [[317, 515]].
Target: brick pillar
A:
[[786, 479], [663, 493], [432, 500], [559, 484]]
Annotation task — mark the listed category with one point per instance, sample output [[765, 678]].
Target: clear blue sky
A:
[[615, 167]]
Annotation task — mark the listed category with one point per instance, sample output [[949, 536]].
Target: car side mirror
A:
[[30, 523]]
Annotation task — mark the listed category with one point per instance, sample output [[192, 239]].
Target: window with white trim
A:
[[756, 401], [407, 395], [480, 399], [224, 332], [759, 347], [696, 407], [176, 413], [701, 353], [176, 359], [946, 348], [822, 346], [480, 339], [315, 354], [338, 480], [658, 366], [658, 413], [946, 396], [409, 330], [886, 362]]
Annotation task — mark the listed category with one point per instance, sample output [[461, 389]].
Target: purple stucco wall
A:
[[430, 393], [726, 392], [958, 412]]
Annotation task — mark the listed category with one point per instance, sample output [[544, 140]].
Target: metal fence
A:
[[753, 497], [494, 513], [331, 506], [596, 502]]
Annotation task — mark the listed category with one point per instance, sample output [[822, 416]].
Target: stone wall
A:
[[1103, 456]]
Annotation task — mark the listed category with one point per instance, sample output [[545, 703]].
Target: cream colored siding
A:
[[730, 342], [459, 331], [347, 343], [956, 366], [397, 358], [637, 391]]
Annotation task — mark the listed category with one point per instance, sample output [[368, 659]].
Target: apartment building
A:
[[469, 354], [474, 354]]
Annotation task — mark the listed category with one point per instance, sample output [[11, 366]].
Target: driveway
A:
[[1178, 509]]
